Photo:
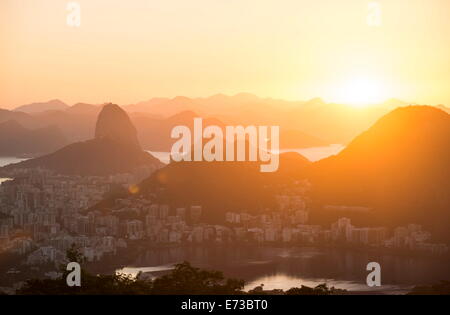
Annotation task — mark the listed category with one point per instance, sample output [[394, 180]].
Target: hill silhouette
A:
[[113, 123], [399, 167], [114, 150], [222, 186], [330, 122], [302, 124], [15, 140], [41, 107], [217, 186]]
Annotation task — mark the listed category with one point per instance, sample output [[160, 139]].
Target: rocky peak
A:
[[113, 123]]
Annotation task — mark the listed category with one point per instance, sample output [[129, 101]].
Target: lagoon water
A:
[[317, 153], [312, 154], [283, 268], [9, 160], [6, 161], [4, 179]]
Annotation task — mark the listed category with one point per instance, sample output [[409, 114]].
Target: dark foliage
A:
[[441, 288], [321, 289], [183, 280]]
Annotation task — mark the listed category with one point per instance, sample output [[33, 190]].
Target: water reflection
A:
[[4, 179], [313, 154], [10, 160], [284, 268]]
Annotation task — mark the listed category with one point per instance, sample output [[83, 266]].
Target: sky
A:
[[130, 51]]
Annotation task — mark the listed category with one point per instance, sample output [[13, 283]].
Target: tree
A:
[[321, 289], [441, 288], [185, 279], [91, 284]]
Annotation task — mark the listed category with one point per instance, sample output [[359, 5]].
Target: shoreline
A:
[[347, 283]]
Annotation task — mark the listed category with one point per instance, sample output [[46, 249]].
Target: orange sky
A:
[[129, 51]]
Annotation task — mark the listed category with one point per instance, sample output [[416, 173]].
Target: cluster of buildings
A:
[[42, 215], [411, 237], [292, 228]]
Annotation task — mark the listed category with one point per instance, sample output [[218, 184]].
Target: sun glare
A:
[[361, 92]]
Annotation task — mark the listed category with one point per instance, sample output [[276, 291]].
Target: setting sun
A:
[[361, 91]]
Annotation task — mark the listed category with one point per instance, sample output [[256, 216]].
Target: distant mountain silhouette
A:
[[26, 120], [145, 106], [330, 123], [400, 167], [84, 109], [114, 150], [155, 134], [41, 107], [74, 126], [113, 123], [302, 123], [444, 108], [16, 140], [394, 103], [76, 123], [163, 107], [295, 139]]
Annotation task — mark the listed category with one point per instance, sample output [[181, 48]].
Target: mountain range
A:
[[398, 169], [76, 123], [333, 123], [115, 149], [42, 107], [303, 123], [15, 140]]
